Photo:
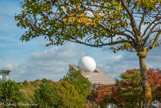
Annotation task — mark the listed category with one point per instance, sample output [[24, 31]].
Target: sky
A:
[[33, 60]]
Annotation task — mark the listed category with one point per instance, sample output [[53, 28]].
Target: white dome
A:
[[87, 63]]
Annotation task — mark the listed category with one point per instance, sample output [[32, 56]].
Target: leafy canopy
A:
[[94, 23], [10, 93], [45, 96], [57, 95], [81, 84]]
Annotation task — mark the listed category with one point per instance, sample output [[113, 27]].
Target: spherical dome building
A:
[[87, 64]]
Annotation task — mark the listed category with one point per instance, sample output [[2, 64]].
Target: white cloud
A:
[[117, 58], [51, 64], [118, 64], [107, 68], [153, 59], [8, 67]]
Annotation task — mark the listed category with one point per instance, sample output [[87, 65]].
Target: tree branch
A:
[[142, 20], [150, 26], [134, 27], [150, 32], [126, 30], [98, 45], [117, 33], [154, 42], [156, 31], [126, 35]]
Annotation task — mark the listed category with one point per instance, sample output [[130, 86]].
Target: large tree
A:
[[132, 25], [11, 95], [45, 96], [81, 84], [127, 92], [57, 95]]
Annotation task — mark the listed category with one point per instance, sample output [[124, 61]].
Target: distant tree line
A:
[[69, 92], [73, 91]]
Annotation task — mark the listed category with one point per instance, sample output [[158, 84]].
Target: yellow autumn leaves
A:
[[151, 4], [84, 19]]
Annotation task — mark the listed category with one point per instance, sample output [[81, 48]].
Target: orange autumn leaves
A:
[[84, 19]]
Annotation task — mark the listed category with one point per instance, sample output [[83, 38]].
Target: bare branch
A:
[[117, 33], [126, 30], [100, 45], [154, 42], [151, 31], [97, 45], [124, 5], [150, 26], [126, 35], [134, 27], [99, 6], [142, 20], [156, 31]]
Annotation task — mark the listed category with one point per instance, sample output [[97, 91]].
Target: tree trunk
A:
[[145, 84], [132, 105]]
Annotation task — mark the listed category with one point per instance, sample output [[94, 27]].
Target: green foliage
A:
[[57, 95], [45, 96], [29, 87], [10, 93], [68, 96], [129, 89], [0, 91], [46, 93], [81, 84]]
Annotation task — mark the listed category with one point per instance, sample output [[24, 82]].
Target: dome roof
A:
[[87, 64]]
